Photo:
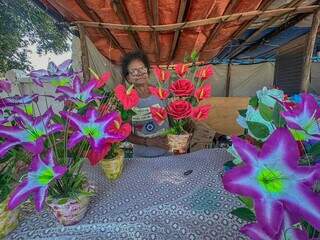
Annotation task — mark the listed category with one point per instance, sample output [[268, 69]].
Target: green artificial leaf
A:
[[244, 214], [243, 112], [315, 150], [124, 115], [194, 56], [259, 130], [57, 119], [229, 164], [248, 202], [62, 201], [265, 112], [278, 120], [254, 102]]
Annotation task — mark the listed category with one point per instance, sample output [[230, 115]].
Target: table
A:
[[153, 199]]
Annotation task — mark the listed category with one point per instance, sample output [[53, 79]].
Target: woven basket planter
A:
[[9, 220], [179, 144], [112, 168]]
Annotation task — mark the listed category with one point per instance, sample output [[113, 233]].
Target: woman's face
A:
[[138, 73]]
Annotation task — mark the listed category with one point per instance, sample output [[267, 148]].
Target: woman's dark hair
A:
[[129, 57]]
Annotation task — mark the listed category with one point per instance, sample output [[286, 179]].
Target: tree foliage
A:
[[23, 24]]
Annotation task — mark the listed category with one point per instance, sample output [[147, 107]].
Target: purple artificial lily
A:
[[287, 231], [30, 132], [61, 75], [92, 127], [273, 178], [5, 86], [41, 173], [18, 100], [303, 119], [80, 95]]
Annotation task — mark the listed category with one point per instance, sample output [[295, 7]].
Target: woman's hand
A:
[[160, 142]]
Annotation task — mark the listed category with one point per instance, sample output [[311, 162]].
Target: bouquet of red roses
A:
[[187, 88]]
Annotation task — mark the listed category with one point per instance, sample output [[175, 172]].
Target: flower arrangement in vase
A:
[[59, 143], [276, 169], [184, 94]]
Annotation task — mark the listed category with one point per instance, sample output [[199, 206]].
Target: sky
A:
[[41, 61]]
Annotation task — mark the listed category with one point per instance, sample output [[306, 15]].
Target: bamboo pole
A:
[[309, 51], [228, 80], [191, 24], [84, 53]]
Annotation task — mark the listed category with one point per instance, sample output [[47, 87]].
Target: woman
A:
[[146, 135]]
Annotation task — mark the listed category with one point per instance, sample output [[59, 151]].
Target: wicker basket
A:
[[9, 220], [113, 167], [70, 211], [179, 144]]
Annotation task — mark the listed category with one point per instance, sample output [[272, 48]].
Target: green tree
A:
[[23, 24]]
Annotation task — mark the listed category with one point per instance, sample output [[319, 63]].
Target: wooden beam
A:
[[181, 14], [309, 51], [104, 32], [84, 53], [123, 14], [257, 33], [283, 27], [228, 80], [202, 22], [152, 21], [264, 5], [229, 9]]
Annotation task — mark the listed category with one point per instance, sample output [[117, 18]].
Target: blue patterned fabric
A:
[[153, 199]]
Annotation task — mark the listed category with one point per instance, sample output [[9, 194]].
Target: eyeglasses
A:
[[138, 71]]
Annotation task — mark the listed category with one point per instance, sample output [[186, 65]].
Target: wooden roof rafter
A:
[[95, 17], [243, 46], [264, 5], [124, 16], [153, 19], [229, 9], [244, 16], [281, 28], [183, 11]]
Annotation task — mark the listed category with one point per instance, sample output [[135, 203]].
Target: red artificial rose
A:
[[158, 114], [204, 72], [182, 88], [161, 75], [203, 92], [181, 69], [179, 109], [128, 98], [201, 112], [159, 92]]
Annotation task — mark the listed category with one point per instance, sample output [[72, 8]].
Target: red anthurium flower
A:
[[161, 74], [159, 114], [203, 92], [159, 92], [181, 69], [179, 109], [103, 79], [95, 156], [182, 88], [204, 72], [201, 112], [118, 127], [128, 98]]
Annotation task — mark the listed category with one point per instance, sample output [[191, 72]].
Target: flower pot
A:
[[179, 144], [8, 219], [112, 167], [70, 211]]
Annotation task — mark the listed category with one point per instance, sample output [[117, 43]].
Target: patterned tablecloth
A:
[[152, 200]]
